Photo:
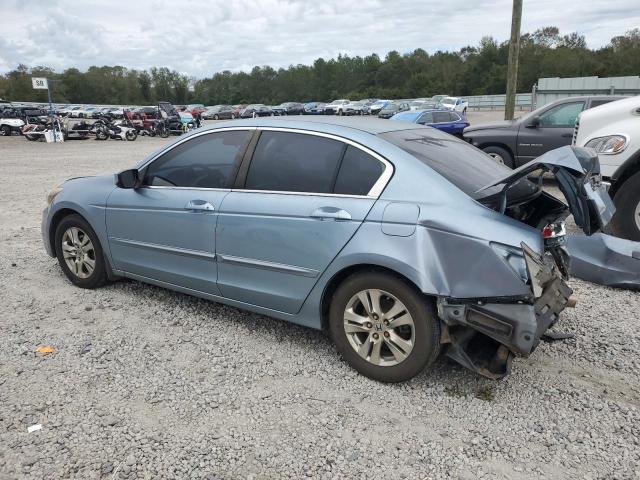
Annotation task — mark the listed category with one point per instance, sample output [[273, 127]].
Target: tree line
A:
[[472, 70]]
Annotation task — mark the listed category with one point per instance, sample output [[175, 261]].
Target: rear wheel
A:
[[216, 117], [5, 131], [500, 155], [383, 327], [131, 135], [626, 221], [79, 252]]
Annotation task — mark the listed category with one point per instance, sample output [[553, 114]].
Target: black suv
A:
[[515, 142]]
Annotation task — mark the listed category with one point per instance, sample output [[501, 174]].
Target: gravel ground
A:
[[147, 383]]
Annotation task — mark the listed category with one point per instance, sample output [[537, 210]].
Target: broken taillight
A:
[[554, 230]]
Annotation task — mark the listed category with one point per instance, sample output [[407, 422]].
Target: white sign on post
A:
[[40, 83]]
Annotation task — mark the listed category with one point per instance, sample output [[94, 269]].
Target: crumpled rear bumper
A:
[[484, 334]]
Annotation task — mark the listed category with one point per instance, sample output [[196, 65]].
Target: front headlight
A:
[[52, 195], [611, 144]]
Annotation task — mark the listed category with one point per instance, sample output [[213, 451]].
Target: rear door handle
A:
[[330, 213], [567, 135], [199, 206]]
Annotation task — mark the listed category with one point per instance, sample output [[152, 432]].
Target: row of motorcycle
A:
[[106, 127]]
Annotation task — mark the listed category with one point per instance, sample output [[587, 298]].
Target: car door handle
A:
[[567, 135], [199, 206], [330, 213]]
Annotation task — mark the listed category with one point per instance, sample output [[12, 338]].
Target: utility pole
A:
[[512, 68]]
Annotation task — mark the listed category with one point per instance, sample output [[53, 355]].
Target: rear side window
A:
[[294, 162], [206, 161], [358, 173]]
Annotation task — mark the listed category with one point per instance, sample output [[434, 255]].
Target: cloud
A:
[[200, 37]]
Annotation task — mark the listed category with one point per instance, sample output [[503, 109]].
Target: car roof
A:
[[371, 125]]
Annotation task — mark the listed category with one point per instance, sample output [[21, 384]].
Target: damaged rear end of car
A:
[[514, 326], [503, 262]]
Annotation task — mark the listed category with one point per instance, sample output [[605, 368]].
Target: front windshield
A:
[[448, 101]]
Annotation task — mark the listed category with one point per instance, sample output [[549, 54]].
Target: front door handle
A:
[[330, 213], [199, 206], [567, 135]]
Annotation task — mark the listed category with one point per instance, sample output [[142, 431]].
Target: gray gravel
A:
[[146, 383]]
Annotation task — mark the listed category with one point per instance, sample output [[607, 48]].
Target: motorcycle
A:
[[104, 128]]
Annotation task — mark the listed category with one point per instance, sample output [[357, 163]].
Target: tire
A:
[[500, 155], [5, 131], [101, 134], [384, 366], [131, 135], [464, 112], [626, 220], [163, 132], [83, 275], [216, 117]]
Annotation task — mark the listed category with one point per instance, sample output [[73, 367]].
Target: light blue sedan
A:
[[400, 240]]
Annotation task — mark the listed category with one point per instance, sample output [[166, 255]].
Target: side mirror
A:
[[128, 179], [535, 122]]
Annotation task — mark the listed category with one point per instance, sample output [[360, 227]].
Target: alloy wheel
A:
[[78, 251], [379, 327], [637, 215]]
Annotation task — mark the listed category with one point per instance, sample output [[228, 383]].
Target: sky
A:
[[199, 38]]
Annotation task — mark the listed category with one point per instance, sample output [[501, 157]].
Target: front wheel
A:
[[163, 132], [5, 131], [626, 221], [216, 117], [383, 327], [101, 134], [79, 252]]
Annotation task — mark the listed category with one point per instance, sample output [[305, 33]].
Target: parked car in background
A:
[[75, 111], [218, 112], [613, 131], [442, 119], [313, 108], [237, 109], [391, 108], [256, 110], [393, 237], [336, 107], [455, 103], [515, 142], [288, 108], [422, 104], [355, 108], [438, 98], [375, 107]]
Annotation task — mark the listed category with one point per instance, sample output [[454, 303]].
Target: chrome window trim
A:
[[376, 189], [265, 265]]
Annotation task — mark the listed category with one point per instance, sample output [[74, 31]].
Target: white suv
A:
[[336, 107], [613, 131], [455, 103]]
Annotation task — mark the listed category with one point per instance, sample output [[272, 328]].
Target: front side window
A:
[[205, 161], [426, 118], [564, 115], [294, 162]]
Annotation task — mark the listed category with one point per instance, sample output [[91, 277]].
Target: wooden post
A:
[[512, 68]]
